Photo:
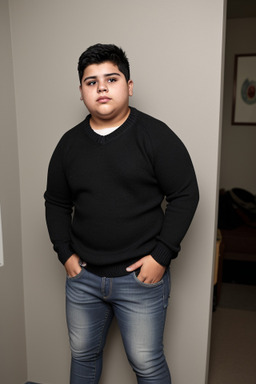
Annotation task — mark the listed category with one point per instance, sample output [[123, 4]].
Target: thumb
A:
[[135, 266]]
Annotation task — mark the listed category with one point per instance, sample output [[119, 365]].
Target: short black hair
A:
[[100, 53]]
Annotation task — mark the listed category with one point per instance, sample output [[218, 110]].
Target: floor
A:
[[233, 339]]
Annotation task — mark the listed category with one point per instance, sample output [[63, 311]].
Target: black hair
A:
[[100, 53]]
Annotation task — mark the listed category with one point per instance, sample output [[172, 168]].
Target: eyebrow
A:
[[106, 75]]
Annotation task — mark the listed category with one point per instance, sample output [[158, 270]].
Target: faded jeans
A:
[[140, 310]]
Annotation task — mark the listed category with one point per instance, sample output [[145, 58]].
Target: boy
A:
[[106, 181]]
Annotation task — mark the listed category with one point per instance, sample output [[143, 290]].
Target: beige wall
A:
[[12, 325], [175, 50], [238, 155]]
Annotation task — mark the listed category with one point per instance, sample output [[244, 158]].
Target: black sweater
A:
[[104, 194]]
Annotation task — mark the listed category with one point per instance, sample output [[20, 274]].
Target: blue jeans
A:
[[140, 310]]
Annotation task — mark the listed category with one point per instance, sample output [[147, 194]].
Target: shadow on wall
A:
[[31, 382]]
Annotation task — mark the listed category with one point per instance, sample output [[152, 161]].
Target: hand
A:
[[151, 271], [72, 266]]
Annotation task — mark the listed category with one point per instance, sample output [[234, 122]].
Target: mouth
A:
[[103, 99]]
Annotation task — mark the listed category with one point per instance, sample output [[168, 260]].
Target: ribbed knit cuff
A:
[[163, 255], [64, 251]]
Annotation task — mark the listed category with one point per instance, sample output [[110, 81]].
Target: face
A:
[[105, 93]]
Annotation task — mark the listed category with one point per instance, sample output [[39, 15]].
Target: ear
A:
[[130, 87], [80, 89]]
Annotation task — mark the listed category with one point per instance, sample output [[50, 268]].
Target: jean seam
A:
[[100, 342], [103, 285], [166, 290]]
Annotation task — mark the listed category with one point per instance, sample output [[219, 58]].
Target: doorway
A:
[[233, 348]]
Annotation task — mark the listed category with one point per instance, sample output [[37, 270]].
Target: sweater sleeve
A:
[[59, 206], [176, 177]]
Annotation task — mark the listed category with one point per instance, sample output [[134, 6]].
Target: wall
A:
[[238, 155], [12, 324], [175, 50]]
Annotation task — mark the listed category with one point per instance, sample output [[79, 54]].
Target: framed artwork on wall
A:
[[244, 90]]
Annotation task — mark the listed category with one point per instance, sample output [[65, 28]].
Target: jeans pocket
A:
[[135, 275], [76, 276]]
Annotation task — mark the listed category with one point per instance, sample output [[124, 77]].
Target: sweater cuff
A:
[[64, 251], [163, 255]]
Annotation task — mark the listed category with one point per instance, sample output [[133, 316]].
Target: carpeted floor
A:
[[233, 338], [238, 296]]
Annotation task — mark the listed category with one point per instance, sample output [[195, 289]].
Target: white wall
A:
[[175, 49], [12, 324], [238, 155]]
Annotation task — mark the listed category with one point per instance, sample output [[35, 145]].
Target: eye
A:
[[90, 83], [112, 80]]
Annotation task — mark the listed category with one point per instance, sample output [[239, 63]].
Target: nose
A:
[[102, 86]]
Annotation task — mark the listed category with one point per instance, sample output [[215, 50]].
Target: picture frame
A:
[[244, 90]]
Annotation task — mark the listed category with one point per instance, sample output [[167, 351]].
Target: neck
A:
[[99, 123]]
